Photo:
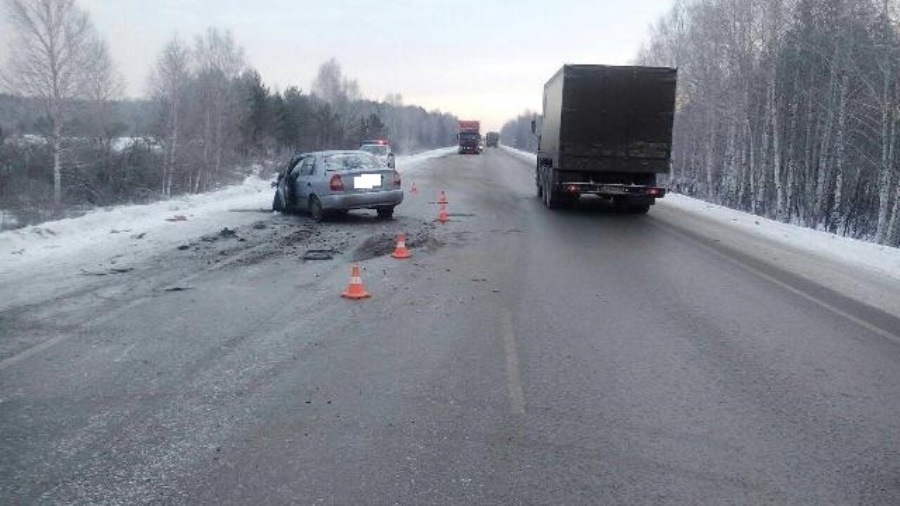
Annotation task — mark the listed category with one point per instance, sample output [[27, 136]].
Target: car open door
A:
[[303, 184]]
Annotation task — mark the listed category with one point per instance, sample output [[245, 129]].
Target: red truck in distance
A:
[[469, 137]]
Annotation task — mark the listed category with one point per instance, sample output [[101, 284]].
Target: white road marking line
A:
[[513, 383], [796, 291]]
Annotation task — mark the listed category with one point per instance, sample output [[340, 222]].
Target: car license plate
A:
[[613, 189], [367, 181]]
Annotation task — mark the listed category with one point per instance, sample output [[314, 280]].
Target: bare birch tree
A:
[[788, 108], [342, 95], [55, 55], [219, 61], [169, 83]]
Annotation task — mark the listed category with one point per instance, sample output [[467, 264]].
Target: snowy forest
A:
[[787, 109], [517, 132], [69, 142]]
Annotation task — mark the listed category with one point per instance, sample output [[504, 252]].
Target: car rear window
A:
[[377, 149], [351, 161]]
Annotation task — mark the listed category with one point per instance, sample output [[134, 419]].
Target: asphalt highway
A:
[[522, 356]]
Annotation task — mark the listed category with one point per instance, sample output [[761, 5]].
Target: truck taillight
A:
[[397, 179], [572, 188], [654, 192], [336, 184]]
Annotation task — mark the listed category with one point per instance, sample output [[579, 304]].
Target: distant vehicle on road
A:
[[381, 149], [469, 137], [328, 182], [606, 131], [492, 139]]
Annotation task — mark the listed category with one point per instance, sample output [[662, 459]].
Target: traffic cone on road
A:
[[401, 252], [356, 290], [443, 217], [443, 198]]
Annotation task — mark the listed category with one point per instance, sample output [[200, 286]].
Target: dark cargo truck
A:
[[606, 131], [469, 137], [491, 139]]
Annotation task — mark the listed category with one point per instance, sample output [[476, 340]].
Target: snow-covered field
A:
[[881, 259]]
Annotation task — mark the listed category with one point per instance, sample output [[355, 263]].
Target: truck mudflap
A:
[[612, 190]]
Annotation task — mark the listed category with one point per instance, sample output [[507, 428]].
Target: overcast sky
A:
[[484, 59]]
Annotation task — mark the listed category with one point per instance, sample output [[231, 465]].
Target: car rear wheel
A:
[[315, 209], [385, 213]]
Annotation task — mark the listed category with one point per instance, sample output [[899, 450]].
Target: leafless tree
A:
[[342, 94], [102, 88], [787, 108], [56, 56], [218, 62], [169, 83]]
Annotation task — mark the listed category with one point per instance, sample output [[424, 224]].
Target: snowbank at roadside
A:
[[883, 259], [165, 223]]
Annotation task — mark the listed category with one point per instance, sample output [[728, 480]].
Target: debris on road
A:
[[319, 254], [177, 289], [115, 270]]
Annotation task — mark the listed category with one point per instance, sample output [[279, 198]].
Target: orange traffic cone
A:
[[401, 252], [414, 190], [443, 198], [443, 217], [356, 290]]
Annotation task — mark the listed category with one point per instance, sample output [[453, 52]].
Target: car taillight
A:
[[336, 184], [397, 180]]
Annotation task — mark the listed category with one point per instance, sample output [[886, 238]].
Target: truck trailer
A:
[[469, 137], [606, 131]]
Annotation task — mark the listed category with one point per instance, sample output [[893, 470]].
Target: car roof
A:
[[329, 152]]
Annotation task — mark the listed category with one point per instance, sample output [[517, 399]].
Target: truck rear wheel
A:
[[552, 199]]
